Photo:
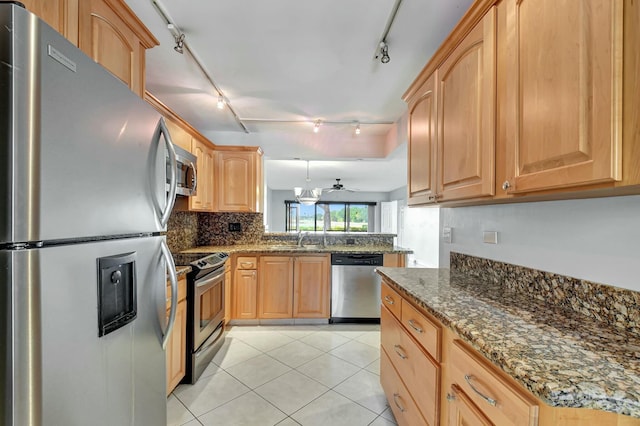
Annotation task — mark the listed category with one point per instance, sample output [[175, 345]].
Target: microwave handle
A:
[[161, 129], [194, 188]]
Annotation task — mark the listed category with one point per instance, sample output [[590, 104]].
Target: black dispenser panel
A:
[[117, 305]]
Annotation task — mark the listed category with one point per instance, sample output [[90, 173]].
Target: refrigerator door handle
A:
[[174, 292], [161, 129]]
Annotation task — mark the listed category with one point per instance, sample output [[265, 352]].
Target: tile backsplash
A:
[[182, 231], [611, 305]]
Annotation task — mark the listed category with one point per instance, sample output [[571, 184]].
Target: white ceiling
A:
[[299, 61]]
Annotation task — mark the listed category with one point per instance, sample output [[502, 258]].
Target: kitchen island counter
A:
[[563, 357]]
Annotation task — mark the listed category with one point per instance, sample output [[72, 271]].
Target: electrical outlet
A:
[[490, 237], [351, 241], [446, 235], [235, 227]]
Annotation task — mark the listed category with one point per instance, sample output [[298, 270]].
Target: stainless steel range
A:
[[205, 318]]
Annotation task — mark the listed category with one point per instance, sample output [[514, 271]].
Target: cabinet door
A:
[[311, 287], [245, 294], [563, 94], [466, 115], [236, 181], [177, 348], [422, 144], [463, 412], [203, 200], [180, 137], [62, 15], [276, 287], [227, 293], [106, 37]]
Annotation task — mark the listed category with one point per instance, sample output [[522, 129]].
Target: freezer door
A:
[[79, 159], [116, 379]]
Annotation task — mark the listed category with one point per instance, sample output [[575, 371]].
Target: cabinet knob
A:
[[434, 197], [506, 185], [450, 397]]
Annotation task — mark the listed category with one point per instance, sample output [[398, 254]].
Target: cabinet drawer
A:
[[246, 262], [428, 334], [400, 401], [419, 373], [182, 290], [502, 402], [391, 299]]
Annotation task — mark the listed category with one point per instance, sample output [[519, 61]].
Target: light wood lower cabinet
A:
[[275, 288], [245, 287], [176, 351], [462, 411], [419, 372], [311, 287], [404, 408], [281, 287]]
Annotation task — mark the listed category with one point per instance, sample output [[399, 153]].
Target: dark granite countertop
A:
[[186, 256], [562, 357], [182, 270]]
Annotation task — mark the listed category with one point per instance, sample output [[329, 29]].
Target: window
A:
[[330, 216]]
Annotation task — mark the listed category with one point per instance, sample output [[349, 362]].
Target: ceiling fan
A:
[[338, 187]]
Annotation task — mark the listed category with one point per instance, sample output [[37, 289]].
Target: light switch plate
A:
[[490, 237], [446, 234]]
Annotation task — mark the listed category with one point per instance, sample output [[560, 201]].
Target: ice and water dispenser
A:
[[117, 304]]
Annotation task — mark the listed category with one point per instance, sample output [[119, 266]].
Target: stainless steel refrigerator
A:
[[83, 258]]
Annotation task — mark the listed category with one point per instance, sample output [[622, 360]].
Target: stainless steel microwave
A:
[[186, 174]]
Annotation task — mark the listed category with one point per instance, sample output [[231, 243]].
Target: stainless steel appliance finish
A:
[[205, 306], [186, 173], [355, 287], [83, 180]]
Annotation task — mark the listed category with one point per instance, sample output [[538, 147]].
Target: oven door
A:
[[208, 307]]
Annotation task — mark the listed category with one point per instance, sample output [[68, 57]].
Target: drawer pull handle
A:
[[389, 300], [396, 396], [246, 264], [398, 349], [415, 327], [491, 401]]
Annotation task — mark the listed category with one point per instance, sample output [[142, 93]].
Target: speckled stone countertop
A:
[[562, 357], [186, 256], [182, 270]]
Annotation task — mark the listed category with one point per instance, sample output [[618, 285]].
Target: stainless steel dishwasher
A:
[[355, 287]]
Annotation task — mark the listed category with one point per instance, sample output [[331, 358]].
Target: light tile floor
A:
[[286, 376]]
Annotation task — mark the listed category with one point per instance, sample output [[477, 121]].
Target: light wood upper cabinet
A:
[[563, 93], [421, 182], [238, 180], [111, 34], [275, 288], [466, 115], [311, 287], [179, 135], [62, 15], [203, 200]]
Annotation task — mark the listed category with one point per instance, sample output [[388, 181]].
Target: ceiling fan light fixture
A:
[[357, 128], [316, 126]]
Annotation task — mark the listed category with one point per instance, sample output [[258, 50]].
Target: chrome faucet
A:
[[300, 237]]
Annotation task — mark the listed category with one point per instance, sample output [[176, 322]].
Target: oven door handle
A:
[[173, 277], [204, 283]]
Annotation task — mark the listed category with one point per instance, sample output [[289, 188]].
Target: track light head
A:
[[221, 102], [178, 37], [384, 52]]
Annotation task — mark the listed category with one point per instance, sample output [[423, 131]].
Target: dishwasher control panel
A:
[[357, 259]]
